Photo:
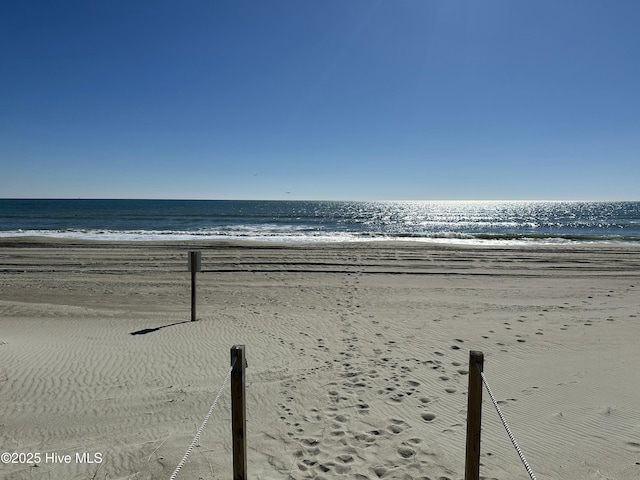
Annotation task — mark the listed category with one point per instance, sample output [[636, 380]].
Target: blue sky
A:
[[325, 99]]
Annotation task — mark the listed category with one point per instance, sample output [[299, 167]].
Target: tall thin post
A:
[[474, 416], [193, 268], [238, 416]]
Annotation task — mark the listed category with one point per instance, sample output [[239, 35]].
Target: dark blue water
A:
[[467, 222]]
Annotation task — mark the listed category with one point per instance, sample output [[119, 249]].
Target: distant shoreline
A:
[[212, 244], [480, 241]]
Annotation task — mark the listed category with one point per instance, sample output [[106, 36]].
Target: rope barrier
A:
[[197, 437], [506, 426]]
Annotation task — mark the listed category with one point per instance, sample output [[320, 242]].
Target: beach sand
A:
[[357, 358]]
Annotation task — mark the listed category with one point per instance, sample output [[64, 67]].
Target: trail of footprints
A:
[[340, 448], [337, 439]]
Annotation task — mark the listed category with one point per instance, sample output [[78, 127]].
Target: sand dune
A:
[[357, 358]]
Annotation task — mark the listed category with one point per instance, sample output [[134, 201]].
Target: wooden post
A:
[[474, 415], [238, 417], [193, 268]]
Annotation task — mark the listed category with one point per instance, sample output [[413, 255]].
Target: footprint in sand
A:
[[310, 442], [380, 471], [345, 458], [406, 452], [428, 417], [394, 429], [397, 398], [341, 418], [397, 426]]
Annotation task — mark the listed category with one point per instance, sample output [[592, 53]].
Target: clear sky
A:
[[320, 99]]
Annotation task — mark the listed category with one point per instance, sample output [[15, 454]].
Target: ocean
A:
[[470, 222]]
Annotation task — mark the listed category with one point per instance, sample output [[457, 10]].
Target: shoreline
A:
[[357, 357], [479, 239], [45, 239]]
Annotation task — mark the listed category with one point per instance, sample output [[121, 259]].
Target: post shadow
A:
[[144, 331]]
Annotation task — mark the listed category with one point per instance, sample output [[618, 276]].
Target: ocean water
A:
[[482, 222]]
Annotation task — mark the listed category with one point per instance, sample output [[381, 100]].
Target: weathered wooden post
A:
[[474, 416], [195, 259], [238, 416]]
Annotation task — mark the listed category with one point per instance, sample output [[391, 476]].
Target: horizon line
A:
[[315, 200]]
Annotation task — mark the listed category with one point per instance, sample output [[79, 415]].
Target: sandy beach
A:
[[357, 358]]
